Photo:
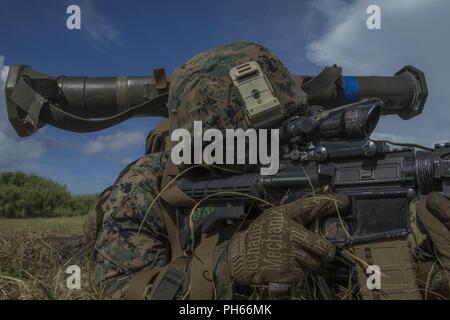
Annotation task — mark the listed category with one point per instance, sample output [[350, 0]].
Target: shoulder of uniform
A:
[[152, 163]]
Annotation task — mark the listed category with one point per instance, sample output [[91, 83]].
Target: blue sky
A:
[[134, 37]]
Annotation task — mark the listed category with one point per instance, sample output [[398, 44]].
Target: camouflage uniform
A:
[[201, 89], [122, 246]]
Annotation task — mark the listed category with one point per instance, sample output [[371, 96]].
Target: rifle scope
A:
[[353, 121]]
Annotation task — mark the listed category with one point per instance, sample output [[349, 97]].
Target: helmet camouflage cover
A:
[[202, 89]]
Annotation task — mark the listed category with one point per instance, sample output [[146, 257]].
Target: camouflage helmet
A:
[[202, 89]]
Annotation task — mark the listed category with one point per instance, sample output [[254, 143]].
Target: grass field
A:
[[60, 225], [34, 256]]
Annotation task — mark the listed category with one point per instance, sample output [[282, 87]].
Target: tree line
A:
[[27, 196]]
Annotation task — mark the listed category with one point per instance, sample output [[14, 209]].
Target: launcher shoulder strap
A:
[[201, 271], [323, 81], [166, 282], [158, 139], [38, 108]]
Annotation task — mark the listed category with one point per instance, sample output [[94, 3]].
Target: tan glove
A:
[[434, 214], [278, 248]]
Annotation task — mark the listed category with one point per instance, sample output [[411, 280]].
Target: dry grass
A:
[[34, 255]]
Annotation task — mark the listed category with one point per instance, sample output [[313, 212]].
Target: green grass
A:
[[62, 225]]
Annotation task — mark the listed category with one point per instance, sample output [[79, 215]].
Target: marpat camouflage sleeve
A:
[[123, 246]]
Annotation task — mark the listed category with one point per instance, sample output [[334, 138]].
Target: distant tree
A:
[[80, 204], [27, 195]]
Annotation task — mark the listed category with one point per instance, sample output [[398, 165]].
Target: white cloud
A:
[[14, 150], [397, 138], [114, 142], [412, 32], [97, 29]]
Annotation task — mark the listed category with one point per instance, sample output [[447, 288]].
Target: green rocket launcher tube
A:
[[86, 104], [403, 94]]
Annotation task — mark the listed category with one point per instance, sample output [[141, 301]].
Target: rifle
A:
[[332, 151]]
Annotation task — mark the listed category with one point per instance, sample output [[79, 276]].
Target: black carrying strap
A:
[[322, 81], [161, 283], [167, 283], [38, 108]]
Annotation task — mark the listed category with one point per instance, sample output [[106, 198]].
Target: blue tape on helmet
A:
[[351, 89]]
